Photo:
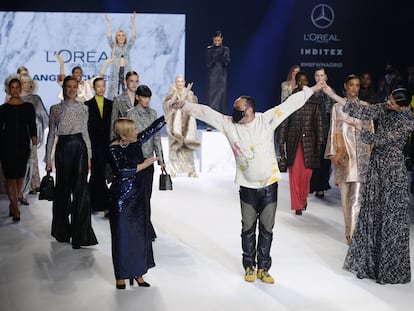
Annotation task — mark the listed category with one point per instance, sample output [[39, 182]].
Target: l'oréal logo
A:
[[77, 56], [321, 37]]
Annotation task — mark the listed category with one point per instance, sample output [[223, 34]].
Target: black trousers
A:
[[258, 209], [121, 80], [98, 189], [321, 175], [149, 178], [71, 195]]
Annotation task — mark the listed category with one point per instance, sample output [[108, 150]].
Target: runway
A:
[[197, 255]]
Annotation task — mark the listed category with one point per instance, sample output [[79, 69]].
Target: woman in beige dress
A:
[[181, 130]]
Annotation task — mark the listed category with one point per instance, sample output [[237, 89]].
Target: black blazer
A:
[[99, 128]]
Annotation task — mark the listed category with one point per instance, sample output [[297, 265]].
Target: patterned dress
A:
[[380, 245]]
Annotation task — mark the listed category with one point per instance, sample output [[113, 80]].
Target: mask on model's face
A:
[[237, 115]]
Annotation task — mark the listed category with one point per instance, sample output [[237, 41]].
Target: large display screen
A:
[[32, 39]]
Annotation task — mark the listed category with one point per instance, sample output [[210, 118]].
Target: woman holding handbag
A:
[[129, 211], [69, 122]]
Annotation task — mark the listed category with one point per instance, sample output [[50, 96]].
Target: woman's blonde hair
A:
[[33, 86], [116, 36], [124, 127], [22, 69]]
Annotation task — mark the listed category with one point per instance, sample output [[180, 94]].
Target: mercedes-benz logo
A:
[[322, 16]]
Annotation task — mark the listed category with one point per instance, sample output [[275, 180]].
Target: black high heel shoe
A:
[[120, 286], [24, 201], [142, 284]]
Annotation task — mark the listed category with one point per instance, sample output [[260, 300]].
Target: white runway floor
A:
[[198, 258]]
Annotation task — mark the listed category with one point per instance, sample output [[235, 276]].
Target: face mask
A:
[[237, 115]]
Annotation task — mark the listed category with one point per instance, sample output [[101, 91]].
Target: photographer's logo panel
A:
[[323, 46]]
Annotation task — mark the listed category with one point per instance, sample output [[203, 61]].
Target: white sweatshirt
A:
[[252, 143]]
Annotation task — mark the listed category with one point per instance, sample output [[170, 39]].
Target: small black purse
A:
[[282, 161], [47, 188], [165, 180]]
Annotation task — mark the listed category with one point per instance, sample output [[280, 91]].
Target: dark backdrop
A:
[[258, 33]]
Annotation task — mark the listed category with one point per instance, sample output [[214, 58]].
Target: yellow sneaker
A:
[[250, 275], [265, 276]]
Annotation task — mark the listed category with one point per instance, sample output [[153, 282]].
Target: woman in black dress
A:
[[17, 134], [129, 214]]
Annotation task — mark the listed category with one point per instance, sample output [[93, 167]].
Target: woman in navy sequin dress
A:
[[129, 214]]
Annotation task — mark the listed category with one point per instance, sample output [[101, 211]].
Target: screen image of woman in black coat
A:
[[217, 59]]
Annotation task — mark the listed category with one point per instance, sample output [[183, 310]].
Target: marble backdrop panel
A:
[[31, 39]]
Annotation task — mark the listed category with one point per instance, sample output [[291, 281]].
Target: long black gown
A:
[[217, 59], [17, 126], [129, 214]]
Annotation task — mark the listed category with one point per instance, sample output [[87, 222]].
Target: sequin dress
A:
[[132, 253], [380, 244]]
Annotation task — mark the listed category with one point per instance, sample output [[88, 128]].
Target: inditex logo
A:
[[322, 16]]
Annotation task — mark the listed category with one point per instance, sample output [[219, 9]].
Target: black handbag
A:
[[47, 188], [282, 161], [165, 180]]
